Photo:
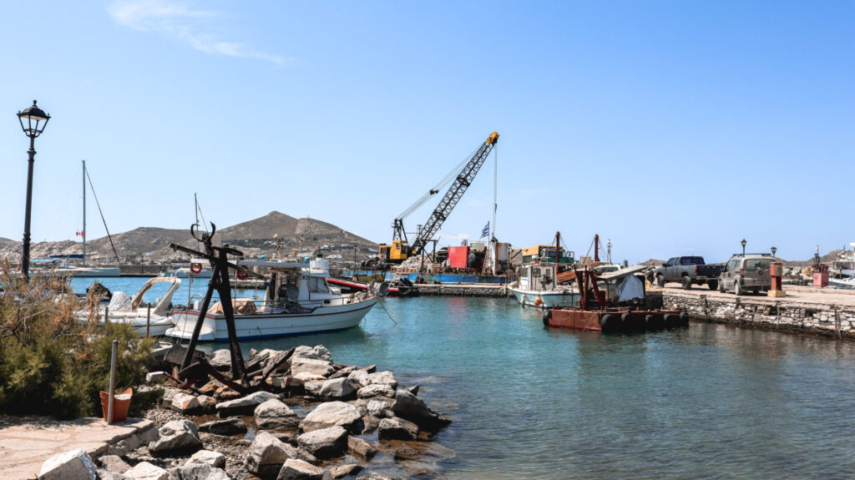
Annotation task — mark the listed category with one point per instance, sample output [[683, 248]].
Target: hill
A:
[[254, 237]]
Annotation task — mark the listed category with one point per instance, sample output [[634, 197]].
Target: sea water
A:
[[707, 401]]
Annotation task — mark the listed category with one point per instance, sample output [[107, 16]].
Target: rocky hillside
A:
[[254, 237]]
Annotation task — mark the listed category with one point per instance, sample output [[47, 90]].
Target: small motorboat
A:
[[124, 309]]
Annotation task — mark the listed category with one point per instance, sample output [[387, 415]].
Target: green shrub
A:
[[51, 364]]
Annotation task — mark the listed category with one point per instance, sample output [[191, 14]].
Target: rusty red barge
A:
[[597, 317]]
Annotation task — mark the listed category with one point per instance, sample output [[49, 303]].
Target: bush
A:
[[50, 363]]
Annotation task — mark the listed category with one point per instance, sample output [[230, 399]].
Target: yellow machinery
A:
[[463, 175]]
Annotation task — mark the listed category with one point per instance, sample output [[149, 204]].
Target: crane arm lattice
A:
[[454, 193]]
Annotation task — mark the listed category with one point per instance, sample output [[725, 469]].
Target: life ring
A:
[[241, 275], [196, 267]]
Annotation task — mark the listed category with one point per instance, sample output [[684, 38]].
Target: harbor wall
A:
[[781, 314], [495, 291]]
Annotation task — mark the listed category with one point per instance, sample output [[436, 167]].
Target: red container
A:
[[120, 405], [458, 256]]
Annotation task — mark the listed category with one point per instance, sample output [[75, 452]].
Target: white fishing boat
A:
[[298, 300], [538, 286], [124, 309]]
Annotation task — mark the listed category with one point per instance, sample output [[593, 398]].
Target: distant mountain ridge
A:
[[253, 237]]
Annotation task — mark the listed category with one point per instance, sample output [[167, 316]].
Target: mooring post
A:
[[106, 315], [147, 321], [112, 388]]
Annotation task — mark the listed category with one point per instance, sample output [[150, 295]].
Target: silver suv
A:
[[744, 273]]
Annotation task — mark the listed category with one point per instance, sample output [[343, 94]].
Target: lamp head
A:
[[33, 120]]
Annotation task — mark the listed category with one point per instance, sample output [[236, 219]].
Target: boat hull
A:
[[261, 325], [98, 273], [545, 299]]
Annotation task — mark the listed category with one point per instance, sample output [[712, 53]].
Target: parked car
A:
[[747, 273], [688, 271]]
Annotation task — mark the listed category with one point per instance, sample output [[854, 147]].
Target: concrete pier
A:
[[824, 312]]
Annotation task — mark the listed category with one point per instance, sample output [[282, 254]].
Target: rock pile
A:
[[311, 423]]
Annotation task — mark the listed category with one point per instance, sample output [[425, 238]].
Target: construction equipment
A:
[[463, 175]]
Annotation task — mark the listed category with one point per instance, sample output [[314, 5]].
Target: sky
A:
[[670, 127]]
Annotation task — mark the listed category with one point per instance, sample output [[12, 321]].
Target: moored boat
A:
[[298, 300], [124, 309]]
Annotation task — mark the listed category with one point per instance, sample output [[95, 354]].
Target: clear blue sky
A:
[[669, 127]]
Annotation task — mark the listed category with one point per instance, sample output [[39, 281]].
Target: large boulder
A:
[[214, 459], [113, 463], [244, 405], [397, 429], [221, 359], [323, 368], [146, 471], [300, 470], [343, 372], [274, 414], [176, 436], [380, 408], [324, 443], [207, 404], [197, 471], [232, 426], [168, 394], [359, 378], [360, 447], [412, 408], [313, 388], [184, 403], [267, 454], [382, 378], [376, 391], [338, 389], [318, 352], [342, 471], [331, 414], [71, 465]]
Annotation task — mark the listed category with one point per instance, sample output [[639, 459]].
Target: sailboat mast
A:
[[84, 213], [196, 203]]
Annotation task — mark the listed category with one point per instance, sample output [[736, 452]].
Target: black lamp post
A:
[[33, 121], [744, 243], [774, 251]]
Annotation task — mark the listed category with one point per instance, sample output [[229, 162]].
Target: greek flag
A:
[[486, 231]]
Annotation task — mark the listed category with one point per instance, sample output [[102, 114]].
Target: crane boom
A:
[[454, 193]]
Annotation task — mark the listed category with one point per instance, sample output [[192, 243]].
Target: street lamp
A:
[[744, 243], [774, 250], [33, 121]]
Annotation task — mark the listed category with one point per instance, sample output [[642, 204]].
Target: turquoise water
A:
[[527, 402]]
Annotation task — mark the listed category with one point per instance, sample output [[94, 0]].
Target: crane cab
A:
[[395, 253]]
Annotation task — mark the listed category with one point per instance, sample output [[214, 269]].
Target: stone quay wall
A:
[[495, 291], [776, 314]]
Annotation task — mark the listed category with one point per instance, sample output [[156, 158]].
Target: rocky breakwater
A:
[[316, 419]]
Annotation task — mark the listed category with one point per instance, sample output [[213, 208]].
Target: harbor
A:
[[412, 241]]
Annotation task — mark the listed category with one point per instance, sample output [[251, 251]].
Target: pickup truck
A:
[[688, 271]]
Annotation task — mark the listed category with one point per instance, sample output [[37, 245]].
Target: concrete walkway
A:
[[26, 442], [795, 295]]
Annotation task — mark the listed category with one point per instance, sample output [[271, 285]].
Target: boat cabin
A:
[[546, 253], [299, 284], [538, 276]]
